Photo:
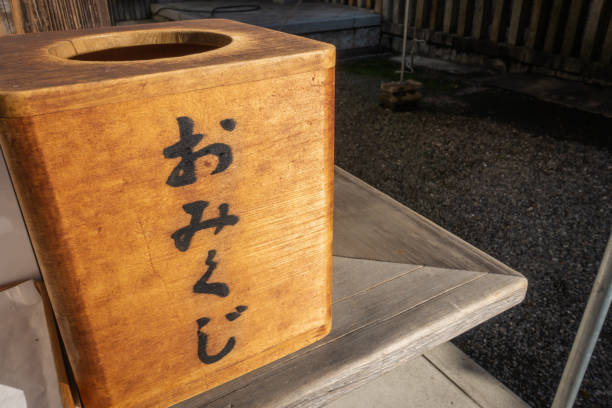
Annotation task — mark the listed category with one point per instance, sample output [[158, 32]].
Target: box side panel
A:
[[198, 228], [36, 195]]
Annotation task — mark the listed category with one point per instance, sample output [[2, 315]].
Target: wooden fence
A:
[[27, 16], [569, 36], [563, 37]]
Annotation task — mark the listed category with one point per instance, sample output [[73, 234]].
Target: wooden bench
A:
[[402, 285]]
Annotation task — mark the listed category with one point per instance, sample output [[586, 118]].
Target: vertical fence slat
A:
[[553, 24], [433, 14], [396, 11], [590, 31], [6, 18], [448, 15], [411, 10], [534, 22], [17, 16], [42, 16], [463, 11], [606, 50], [515, 21], [570, 27], [418, 17], [478, 19], [387, 10], [497, 18]]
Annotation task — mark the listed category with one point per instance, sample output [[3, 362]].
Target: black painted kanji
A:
[[215, 288], [182, 237], [184, 173]]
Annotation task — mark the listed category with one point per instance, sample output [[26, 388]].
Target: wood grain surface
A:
[[405, 311], [184, 234], [53, 82], [32, 16], [371, 225], [7, 26], [383, 312]]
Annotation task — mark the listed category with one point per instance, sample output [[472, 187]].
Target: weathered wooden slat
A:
[[409, 9], [369, 224], [553, 25], [339, 363], [6, 18], [534, 23], [497, 19], [353, 276], [58, 15], [479, 15], [515, 21], [433, 14], [590, 30], [17, 15], [569, 31], [448, 16], [388, 298], [387, 10], [396, 12], [606, 50], [378, 6], [419, 17], [463, 16]]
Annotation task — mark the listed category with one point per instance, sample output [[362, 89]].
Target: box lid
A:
[[50, 72]]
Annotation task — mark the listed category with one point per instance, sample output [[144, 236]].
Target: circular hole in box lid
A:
[[139, 45]]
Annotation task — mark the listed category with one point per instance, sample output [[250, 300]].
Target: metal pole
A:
[[407, 8], [588, 332]]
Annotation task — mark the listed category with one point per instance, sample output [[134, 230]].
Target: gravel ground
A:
[[526, 181]]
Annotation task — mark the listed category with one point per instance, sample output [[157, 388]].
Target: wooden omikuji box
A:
[[176, 180]]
